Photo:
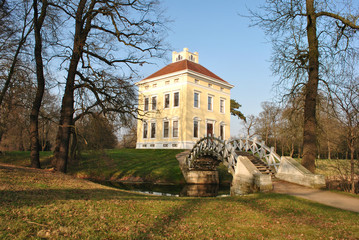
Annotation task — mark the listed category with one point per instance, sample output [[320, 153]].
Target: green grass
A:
[[153, 165], [22, 158], [37, 204]]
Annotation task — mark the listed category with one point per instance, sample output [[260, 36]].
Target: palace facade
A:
[[181, 103]]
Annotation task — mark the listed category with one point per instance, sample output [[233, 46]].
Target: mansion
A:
[[181, 103]]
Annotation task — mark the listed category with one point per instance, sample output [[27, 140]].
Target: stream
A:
[[184, 190]]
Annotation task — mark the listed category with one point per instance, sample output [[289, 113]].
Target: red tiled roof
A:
[[182, 65]]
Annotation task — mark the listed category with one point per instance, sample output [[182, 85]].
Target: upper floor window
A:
[[175, 128], [221, 105], [154, 103], [167, 100], [196, 81], [222, 89], [146, 103], [209, 85], [167, 82], [179, 57], [146, 87], [166, 125], [176, 80], [210, 103], [145, 126], [176, 99], [153, 130], [196, 100], [154, 85]]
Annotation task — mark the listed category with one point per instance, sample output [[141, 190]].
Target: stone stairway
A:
[[259, 164]]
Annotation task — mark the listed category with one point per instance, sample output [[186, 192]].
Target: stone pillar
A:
[[201, 177], [247, 179]]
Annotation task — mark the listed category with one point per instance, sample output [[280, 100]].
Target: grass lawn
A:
[[38, 204], [149, 165]]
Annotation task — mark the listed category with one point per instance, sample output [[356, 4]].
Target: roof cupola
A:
[[185, 54]]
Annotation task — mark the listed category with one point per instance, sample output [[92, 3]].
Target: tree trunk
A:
[[73, 148], [67, 108], [311, 92], [329, 150], [34, 116]]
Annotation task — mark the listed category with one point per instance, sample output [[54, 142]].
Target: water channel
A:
[[185, 190]]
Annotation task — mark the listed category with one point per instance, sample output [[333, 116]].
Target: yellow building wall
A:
[[186, 85]]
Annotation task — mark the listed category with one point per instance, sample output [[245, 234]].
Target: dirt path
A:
[[321, 196]]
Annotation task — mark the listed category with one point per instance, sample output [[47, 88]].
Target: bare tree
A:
[[347, 108], [13, 37], [249, 125], [34, 116], [107, 33], [306, 35]]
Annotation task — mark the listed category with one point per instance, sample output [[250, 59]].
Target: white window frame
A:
[[164, 100], [148, 104], [224, 131], [224, 105], [179, 99], [151, 130], [213, 122], [169, 129], [198, 124], [199, 99], [212, 100], [154, 109], [143, 129], [178, 127]]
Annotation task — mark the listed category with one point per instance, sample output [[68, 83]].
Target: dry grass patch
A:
[[38, 204]]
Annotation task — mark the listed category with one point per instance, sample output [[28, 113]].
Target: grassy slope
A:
[[37, 203], [152, 165]]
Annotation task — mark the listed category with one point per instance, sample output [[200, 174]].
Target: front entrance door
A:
[[209, 129]]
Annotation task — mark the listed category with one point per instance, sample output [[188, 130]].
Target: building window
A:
[[210, 103], [167, 100], [145, 129], [146, 87], [167, 82], [221, 105], [176, 99], [175, 129], [154, 103], [196, 81], [221, 132], [176, 80], [154, 85], [166, 125], [179, 57], [210, 130], [222, 89], [195, 129], [146, 103], [153, 130], [196, 100], [209, 85]]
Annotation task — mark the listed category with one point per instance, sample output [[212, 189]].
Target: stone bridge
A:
[[252, 164]]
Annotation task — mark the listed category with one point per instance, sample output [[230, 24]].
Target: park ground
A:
[[37, 204]]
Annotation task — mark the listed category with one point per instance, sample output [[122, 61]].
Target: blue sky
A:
[[226, 45]]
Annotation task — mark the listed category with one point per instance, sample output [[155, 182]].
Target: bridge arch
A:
[[248, 175], [227, 152]]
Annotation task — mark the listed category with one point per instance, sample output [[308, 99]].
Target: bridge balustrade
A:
[[228, 152]]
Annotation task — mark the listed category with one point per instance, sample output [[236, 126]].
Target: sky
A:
[[227, 46]]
